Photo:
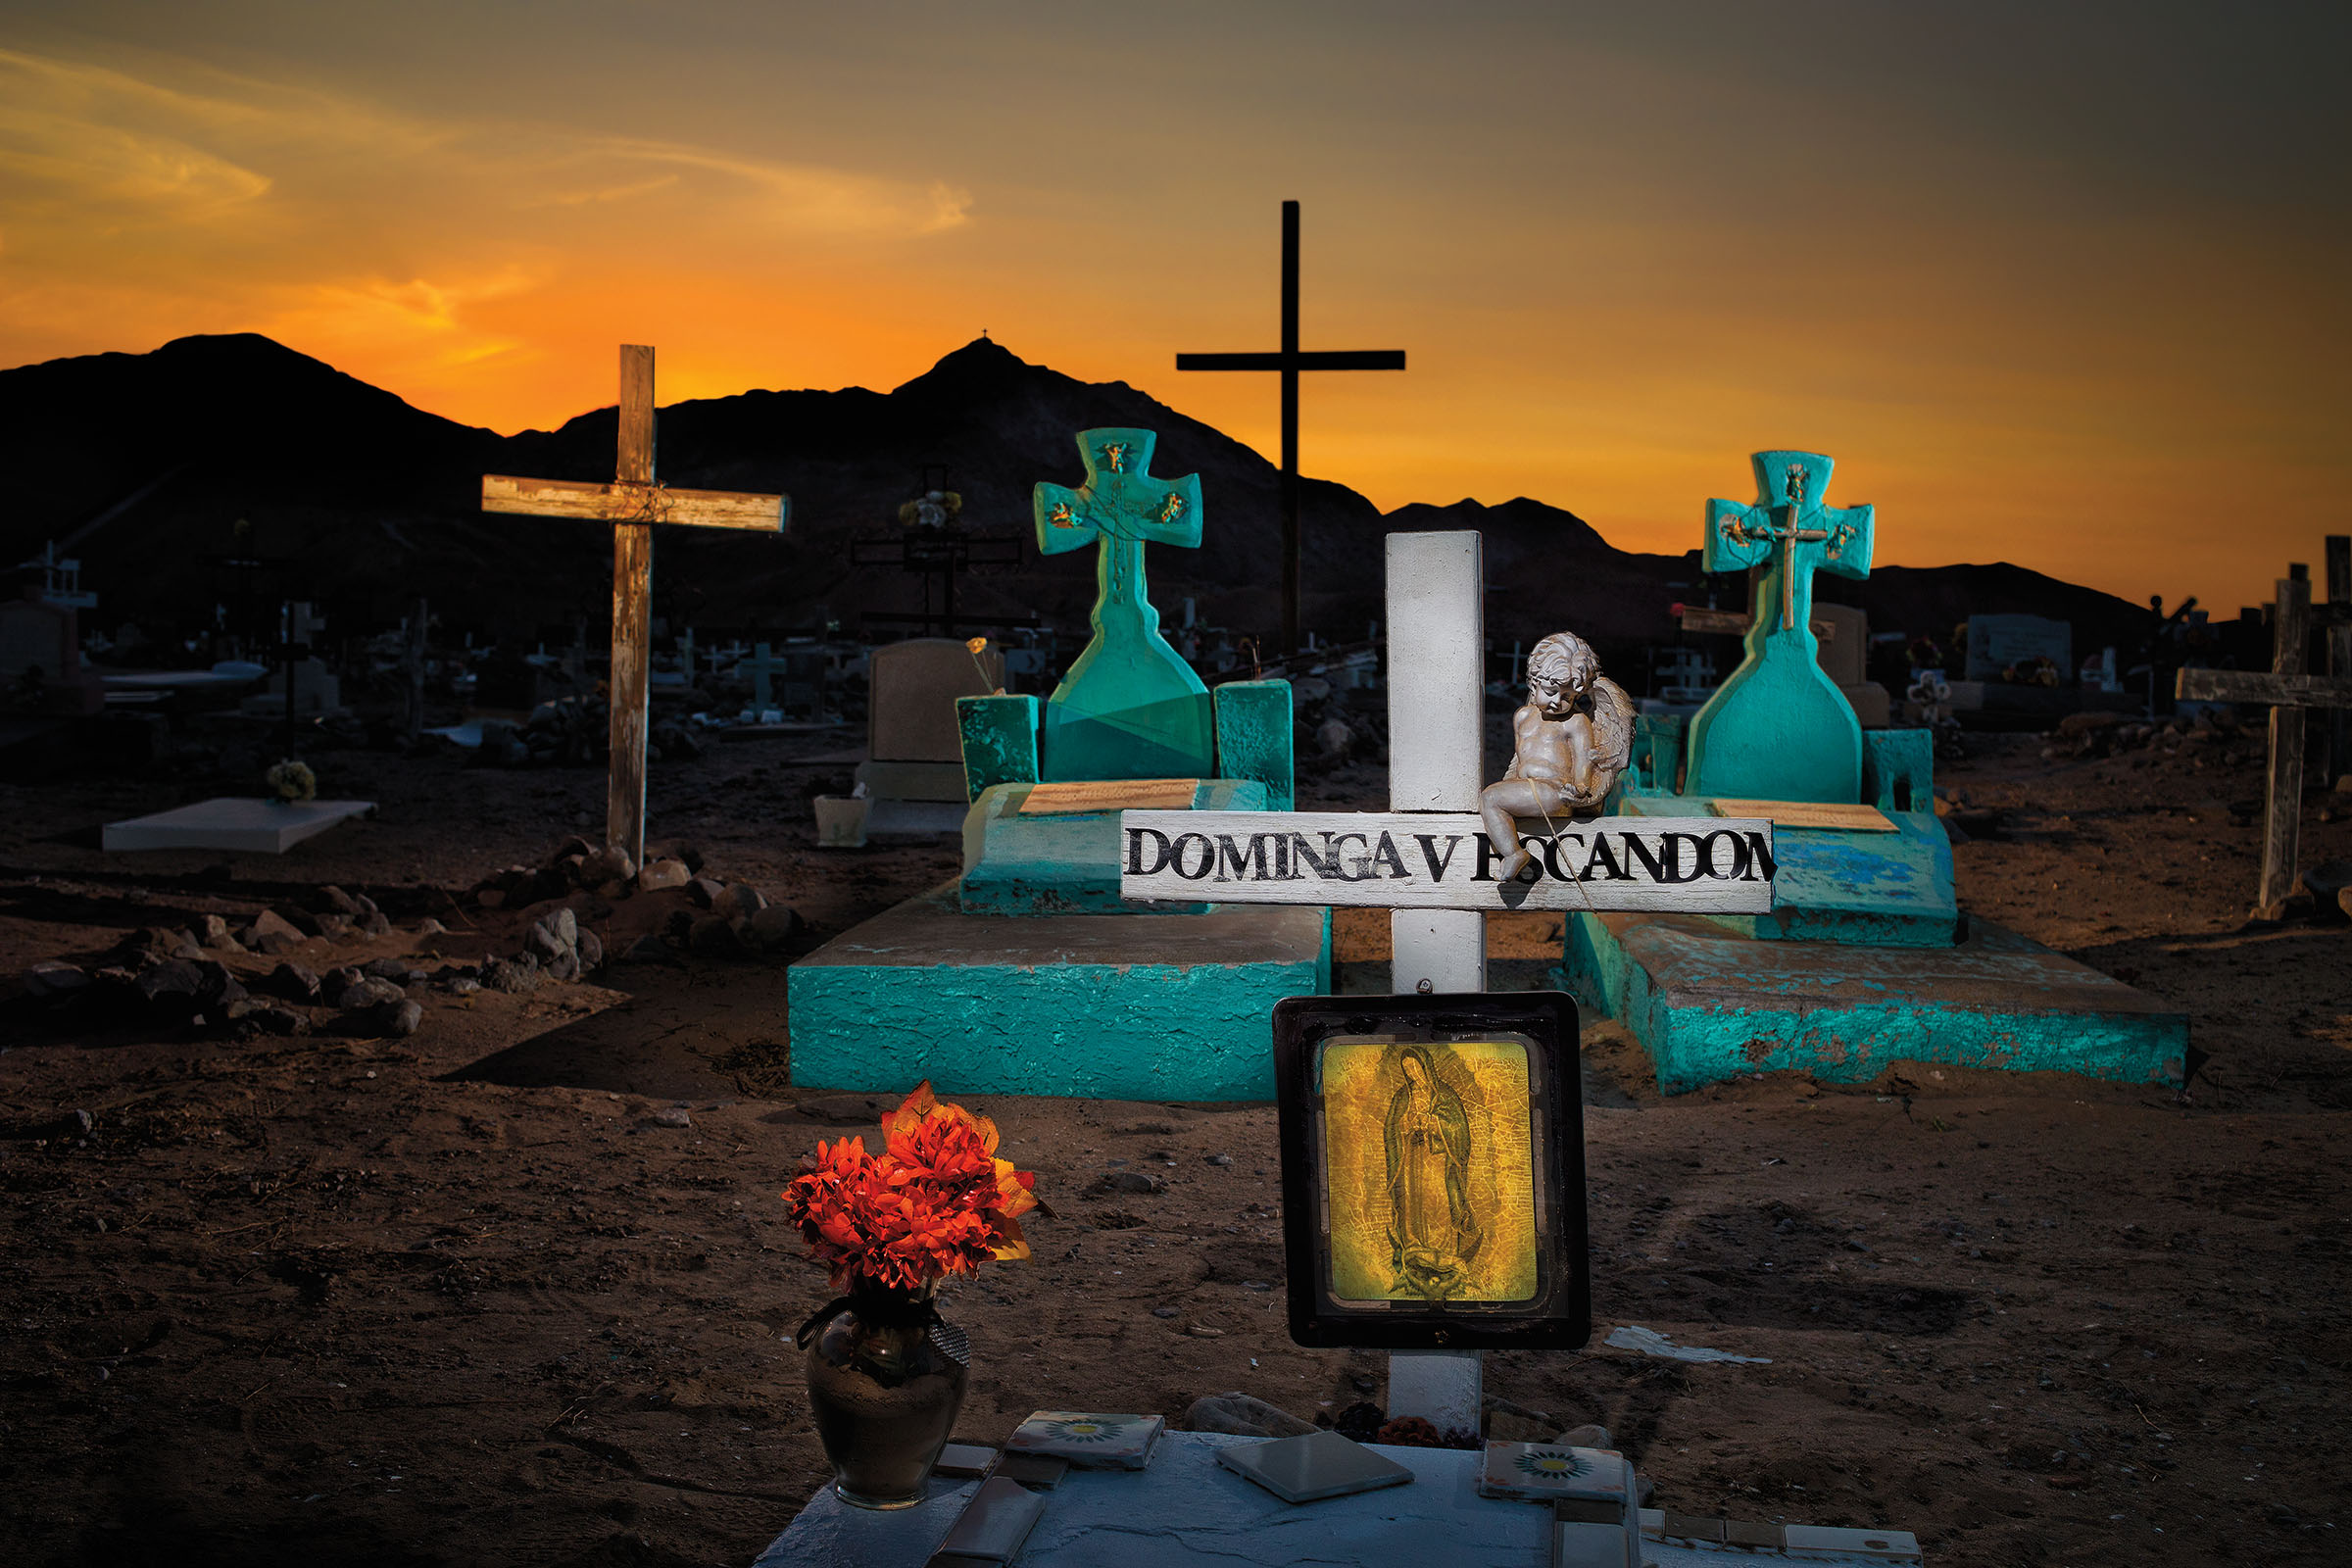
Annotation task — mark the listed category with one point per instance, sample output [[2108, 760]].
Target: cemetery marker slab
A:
[[632, 504]]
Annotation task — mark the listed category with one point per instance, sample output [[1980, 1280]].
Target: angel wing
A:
[[1612, 730]]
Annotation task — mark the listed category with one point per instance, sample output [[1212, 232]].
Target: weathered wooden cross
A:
[[1428, 860], [632, 504], [2289, 691], [1290, 361]]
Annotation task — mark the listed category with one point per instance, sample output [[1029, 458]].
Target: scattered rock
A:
[[214, 932], [1164, 1311], [704, 891], [671, 1116], [514, 975], [405, 1019], [332, 899], [430, 927], [591, 950], [2328, 882], [1201, 1331], [1124, 1181], [607, 865], [170, 986], [51, 979], [738, 900], [336, 927], [374, 925], [771, 925], [266, 1017], [1243, 1415], [395, 970], [463, 985], [1218, 1159], [1591, 1435], [370, 991], [659, 874], [270, 933]]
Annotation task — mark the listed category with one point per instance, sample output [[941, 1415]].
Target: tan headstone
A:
[[912, 692]]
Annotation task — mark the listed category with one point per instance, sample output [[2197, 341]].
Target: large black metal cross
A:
[[1290, 361]]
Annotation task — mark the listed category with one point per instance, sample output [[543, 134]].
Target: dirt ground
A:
[[458, 1297]]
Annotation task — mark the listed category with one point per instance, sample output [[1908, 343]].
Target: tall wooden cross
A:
[[1290, 361], [2289, 691], [632, 504]]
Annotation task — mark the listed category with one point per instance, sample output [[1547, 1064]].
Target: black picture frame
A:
[[1558, 1315]]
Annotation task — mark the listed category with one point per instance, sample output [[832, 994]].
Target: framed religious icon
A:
[[1433, 1171]]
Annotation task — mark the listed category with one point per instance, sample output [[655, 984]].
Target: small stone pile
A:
[[716, 918], [2214, 739], [572, 732]]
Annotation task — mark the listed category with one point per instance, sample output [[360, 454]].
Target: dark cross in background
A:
[[1290, 361]]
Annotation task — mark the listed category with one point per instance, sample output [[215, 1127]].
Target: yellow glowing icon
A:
[[1429, 1157]]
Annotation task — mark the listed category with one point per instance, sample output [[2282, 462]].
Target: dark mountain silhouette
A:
[[142, 464]]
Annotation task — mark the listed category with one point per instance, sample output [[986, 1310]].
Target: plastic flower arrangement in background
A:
[[292, 780], [935, 1201]]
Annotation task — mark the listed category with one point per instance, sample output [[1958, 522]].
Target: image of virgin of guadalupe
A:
[[1433, 1234]]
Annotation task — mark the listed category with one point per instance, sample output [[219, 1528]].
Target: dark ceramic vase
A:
[[885, 1382]]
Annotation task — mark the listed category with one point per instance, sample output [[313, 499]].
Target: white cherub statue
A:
[[1574, 738]]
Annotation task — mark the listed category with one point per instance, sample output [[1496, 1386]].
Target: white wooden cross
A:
[[2289, 691], [632, 504], [1428, 860]]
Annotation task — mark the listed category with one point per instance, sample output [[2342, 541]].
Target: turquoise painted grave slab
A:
[[1064, 862], [1866, 888], [1122, 1006], [1877, 889], [1710, 1006], [1129, 708], [1778, 728]]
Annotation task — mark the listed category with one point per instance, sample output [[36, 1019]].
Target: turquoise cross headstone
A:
[[1129, 708], [1779, 729]]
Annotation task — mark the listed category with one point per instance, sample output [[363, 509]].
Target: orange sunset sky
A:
[[2057, 284]]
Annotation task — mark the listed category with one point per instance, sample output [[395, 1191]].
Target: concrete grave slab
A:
[[232, 822], [1120, 1006], [1711, 1003]]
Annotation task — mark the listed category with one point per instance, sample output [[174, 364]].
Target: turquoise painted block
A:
[[1255, 737], [1880, 889], [1066, 862], [1128, 1007], [1899, 770], [999, 738], [1129, 708], [1710, 1006], [1779, 729]]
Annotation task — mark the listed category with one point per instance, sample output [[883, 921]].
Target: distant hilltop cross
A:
[[632, 504], [1290, 361]]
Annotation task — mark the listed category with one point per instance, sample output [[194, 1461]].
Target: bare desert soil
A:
[[458, 1297]]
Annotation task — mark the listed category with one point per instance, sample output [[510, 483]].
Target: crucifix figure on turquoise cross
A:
[[1780, 729], [1129, 708]]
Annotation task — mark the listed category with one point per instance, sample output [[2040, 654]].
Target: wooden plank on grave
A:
[[633, 503], [2259, 686], [1443, 860], [1110, 795], [632, 660], [1807, 813]]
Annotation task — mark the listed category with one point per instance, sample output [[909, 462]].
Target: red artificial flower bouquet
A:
[[936, 1202]]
